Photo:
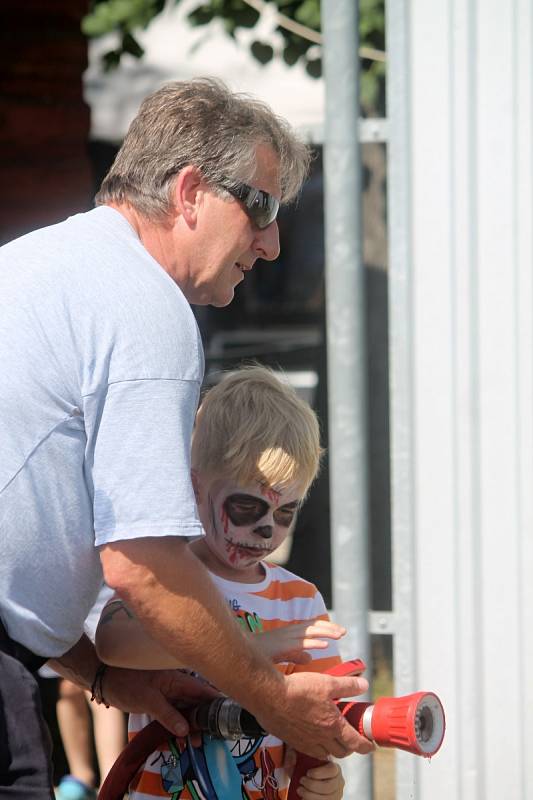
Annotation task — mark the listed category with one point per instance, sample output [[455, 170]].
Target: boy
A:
[[255, 452]]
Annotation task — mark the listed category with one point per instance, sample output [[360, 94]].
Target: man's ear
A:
[[187, 194]]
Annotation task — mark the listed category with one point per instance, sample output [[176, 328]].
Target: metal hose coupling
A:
[[223, 718]]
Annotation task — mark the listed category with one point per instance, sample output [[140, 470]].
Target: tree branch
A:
[[308, 33]]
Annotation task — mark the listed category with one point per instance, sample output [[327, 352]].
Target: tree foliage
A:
[[127, 17]]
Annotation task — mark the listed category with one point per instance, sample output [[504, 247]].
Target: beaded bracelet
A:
[[96, 688]]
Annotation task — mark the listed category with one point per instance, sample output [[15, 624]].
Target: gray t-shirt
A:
[[101, 364]]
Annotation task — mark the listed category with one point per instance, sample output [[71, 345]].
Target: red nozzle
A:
[[414, 723]]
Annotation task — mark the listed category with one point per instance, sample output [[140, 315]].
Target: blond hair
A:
[[253, 426], [201, 123]]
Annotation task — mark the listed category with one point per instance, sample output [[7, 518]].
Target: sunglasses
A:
[[244, 509], [261, 207]]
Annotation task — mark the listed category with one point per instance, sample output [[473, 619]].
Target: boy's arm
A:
[[309, 645], [292, 642], [121, 641]]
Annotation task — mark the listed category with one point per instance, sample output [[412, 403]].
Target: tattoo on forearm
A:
[[114, 607]]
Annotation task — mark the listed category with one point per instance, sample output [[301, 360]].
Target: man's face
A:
[[245, 524], [228, 242]]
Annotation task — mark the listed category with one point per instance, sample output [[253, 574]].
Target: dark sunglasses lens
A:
[[263, 209]]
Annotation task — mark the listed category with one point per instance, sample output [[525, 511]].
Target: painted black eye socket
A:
[[284, 516], [244, 509]]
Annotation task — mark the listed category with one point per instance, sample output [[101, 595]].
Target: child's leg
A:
[[110, 738], [74, 725]]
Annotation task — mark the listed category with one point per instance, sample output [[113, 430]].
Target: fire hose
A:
[[414, 723]]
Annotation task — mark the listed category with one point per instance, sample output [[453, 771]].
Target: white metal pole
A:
[[401, 370], [345, 323]]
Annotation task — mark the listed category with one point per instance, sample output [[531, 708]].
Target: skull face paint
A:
[[244, 524], [245, 509]]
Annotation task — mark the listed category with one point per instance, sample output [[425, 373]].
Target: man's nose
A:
[[265, 531], [267, 242]]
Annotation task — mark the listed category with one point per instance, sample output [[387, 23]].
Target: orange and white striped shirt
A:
[[250, 769]]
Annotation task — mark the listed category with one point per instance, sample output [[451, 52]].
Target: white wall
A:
[[461, 303]]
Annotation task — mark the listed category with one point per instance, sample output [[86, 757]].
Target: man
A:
[[101, 365]]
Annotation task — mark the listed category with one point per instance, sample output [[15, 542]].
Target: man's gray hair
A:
[[201, 123]]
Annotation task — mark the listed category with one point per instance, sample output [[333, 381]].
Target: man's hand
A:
[[307, 719], [152, 692], [291, 642]]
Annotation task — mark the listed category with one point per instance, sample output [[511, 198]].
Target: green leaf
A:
[[309, 14], [372, 87], [372, 23], [314, 67], [132, 46], [200, 16], [98, 22], [247, 18], [111, 60], [291, 54], [262, 52], [229, 26], [110, 15]]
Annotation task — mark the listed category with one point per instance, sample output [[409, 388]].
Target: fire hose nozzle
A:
[[415, 722]]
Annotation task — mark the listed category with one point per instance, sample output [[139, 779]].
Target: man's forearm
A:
[[79, 664], [173, 596]]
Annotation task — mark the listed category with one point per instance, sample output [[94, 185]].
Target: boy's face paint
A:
[[244, 524]]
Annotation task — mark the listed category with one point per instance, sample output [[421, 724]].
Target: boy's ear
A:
[[195, 478]]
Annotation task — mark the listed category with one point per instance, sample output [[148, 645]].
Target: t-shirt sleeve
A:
[[139, 466]]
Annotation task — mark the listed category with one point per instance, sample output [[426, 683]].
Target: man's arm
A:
[[149, 692], [172, 595]]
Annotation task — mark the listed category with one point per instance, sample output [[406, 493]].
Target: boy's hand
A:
[[323, 782], [291, 642]]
